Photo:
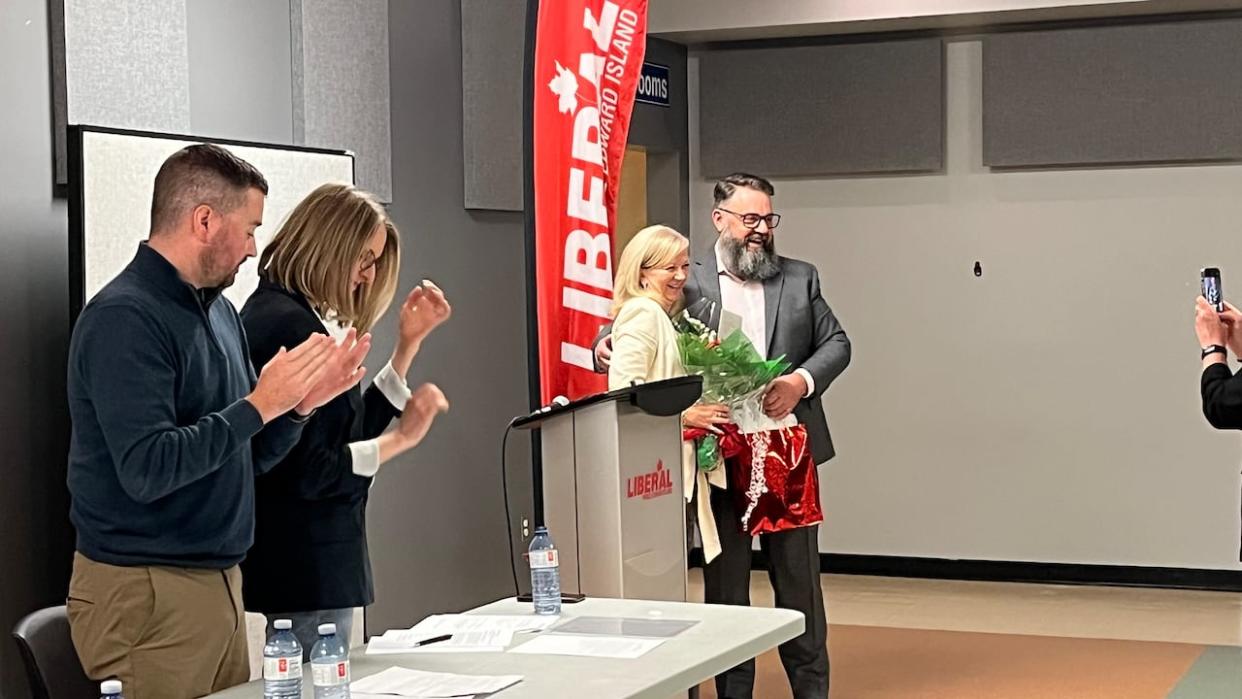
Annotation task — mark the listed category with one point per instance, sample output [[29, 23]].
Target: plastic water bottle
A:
[[282, 663], [545, 573], [110, 689], [330, 665]]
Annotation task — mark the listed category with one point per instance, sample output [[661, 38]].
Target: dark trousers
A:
[[793, 568]]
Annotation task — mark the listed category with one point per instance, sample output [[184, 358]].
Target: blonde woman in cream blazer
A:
[[650, 275]]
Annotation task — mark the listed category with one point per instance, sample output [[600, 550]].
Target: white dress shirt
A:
[[365, 454], [745, 298]]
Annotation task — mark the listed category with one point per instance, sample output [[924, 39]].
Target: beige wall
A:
[[1047, 411], [631, 198]]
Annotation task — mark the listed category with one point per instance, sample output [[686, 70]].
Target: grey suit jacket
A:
[[799, 326]]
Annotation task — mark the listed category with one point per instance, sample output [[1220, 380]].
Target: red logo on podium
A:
[[653, 484]]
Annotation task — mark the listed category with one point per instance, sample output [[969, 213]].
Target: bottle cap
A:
[[283, 624], [327, 629], [110, 687]]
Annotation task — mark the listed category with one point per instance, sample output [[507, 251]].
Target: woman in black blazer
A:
[[332, 268]]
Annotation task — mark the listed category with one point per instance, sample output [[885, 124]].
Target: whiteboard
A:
[[112, 175]]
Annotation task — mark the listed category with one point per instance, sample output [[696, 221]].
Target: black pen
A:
[[429, 641]]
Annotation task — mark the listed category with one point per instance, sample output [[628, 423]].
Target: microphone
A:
[[557, 402]]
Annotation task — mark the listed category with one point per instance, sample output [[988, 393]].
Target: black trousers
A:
[[793, 568]]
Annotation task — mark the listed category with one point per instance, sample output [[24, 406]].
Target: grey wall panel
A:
[[60, 98], [341, 84], [1130, 94], [124, 64], [823, 110], [492, 54], [127, 64], [436, 519], [36, 540], [243, 92]]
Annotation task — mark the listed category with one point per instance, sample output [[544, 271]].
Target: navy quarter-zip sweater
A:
[[164, 448]]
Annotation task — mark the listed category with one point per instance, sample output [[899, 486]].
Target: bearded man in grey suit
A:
[[783, 313]]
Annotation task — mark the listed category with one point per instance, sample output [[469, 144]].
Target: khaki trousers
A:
[[166, 633]]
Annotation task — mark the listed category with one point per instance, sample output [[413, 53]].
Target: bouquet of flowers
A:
[[734, 374], [771, 472]]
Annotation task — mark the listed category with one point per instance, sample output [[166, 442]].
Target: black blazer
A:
[[1221, 391], [310, 542]]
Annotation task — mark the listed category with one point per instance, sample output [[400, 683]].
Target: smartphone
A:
[[1209, 280]]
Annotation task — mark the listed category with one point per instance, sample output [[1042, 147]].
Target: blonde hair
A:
[[650, 248], [319, 247]]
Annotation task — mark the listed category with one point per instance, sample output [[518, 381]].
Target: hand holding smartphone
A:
[[1209, 281]]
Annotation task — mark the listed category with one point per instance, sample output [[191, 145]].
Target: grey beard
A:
[[750, 265]]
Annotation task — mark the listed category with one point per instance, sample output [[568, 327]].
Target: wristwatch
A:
[[1213, 349]]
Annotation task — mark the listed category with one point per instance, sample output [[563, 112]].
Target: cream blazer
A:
[[644, 348]]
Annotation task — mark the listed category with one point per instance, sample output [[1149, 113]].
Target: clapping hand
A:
[[426, 402], [423, 311], [342, 371]]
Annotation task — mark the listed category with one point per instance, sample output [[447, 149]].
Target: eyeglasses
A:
[[367, 261], [751, 221]]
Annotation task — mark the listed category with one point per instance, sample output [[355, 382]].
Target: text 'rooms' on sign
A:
[[653, 85]]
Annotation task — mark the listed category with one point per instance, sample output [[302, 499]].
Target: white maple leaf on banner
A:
[[565, 86]]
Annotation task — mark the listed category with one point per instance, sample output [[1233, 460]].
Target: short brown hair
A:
[[319, 245], [728, 185], [201, 174]]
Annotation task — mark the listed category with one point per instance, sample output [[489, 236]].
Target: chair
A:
[[52, 666]]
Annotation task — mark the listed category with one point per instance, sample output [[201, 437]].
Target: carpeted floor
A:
[[892, 663]]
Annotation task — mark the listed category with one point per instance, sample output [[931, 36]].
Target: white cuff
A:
[[393, 386], [366, 457], [810, 381]]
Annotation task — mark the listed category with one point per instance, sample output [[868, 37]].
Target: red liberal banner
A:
[[588, 58]]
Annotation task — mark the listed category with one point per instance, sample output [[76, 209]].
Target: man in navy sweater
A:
[[170, 427]]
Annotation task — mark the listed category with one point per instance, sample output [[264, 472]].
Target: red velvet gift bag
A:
[[772, 478]]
